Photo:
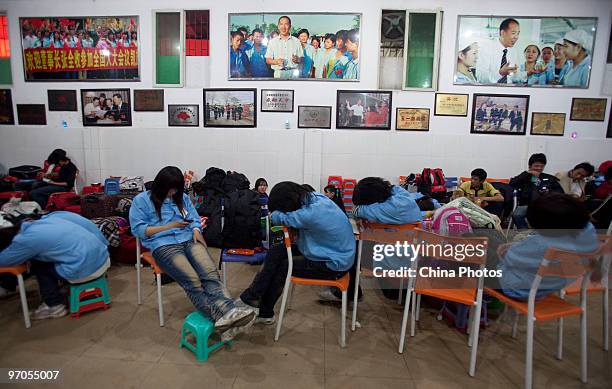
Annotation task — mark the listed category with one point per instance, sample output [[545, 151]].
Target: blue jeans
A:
[[519, 217], [41, 195], [190, 265]]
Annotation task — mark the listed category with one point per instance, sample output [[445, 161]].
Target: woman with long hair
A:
[[167, 223]]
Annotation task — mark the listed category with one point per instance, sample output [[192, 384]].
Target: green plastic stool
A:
[[89, 296], [201, 328]]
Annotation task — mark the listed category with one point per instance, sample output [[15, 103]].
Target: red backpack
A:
[[64, 201], [431, 181]]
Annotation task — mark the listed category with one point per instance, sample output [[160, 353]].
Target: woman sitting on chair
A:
[[325, 247], [167, 223]]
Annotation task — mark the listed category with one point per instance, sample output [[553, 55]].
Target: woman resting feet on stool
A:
[[62, 246], [325, 248], [167, 223]]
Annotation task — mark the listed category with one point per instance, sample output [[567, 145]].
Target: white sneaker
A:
[[241, 304], [234, 331], [265, 320], [5, 293], [234, 318], [46, 312], [327, 294]]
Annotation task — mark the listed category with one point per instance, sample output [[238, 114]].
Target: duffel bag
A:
[[96, 205], [25, 171], [59, 201]]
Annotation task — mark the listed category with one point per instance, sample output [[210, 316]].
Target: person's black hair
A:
[[537, 157], [557, 211], [241, 29], [506, 24], [257, 30], [371, 190], [96, 98], [587, 167], [341, 35], [236, 33], [425, 203], [118, 95], [168, 178], [103, 95], [331, 189], [55, 156], [259, 181], [308, 187], [315, 38], [331, 37], [287, 196], [480, 173], [353, 36], [285, 17], [303, 30]]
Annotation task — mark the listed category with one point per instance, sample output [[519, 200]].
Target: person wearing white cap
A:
[[578, 44], [498, 59], [466, 62], [562, 64]]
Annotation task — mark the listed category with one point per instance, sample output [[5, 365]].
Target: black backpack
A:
[[242, 220]]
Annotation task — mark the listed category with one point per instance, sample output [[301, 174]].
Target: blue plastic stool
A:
[[89, 296], [201, 328]]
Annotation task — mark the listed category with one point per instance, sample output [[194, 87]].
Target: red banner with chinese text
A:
[[64, 59]]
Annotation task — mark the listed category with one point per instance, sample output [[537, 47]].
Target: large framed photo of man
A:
[[367, 110], [80, 48], [106, 107], [524, 51], [499, 114], [228, 107], [294, 46]]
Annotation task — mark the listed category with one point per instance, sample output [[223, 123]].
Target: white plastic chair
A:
[[18, 271], [158, 273]]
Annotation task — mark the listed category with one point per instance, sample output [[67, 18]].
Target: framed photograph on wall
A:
[[451, 104], [274, 36], [609, 133], [183, 115], [412, 119], [499, 114], [227, 107], [148, 100], [106, 107], [31, 114], [80, 48], [276, 100], [366, 110], [529, 44], [588, 110], [6, 107], [314, 116], [62, 100], [544, 123]]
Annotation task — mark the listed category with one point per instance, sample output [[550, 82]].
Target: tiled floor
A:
[[124, 347]]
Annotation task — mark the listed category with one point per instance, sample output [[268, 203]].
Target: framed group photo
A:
[[80, 48], [294, 46], [524, 51], [499, 114], [314, 116], [367, 110], [228, 107], [106, 107]]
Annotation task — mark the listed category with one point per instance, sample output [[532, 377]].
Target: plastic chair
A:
[[379, 233], [148, 257], [562, 264], [341, 284], [18, 272], [201, 328], [593, 287], [79, 293], [464, 290]]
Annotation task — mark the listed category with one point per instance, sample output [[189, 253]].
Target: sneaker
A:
[[241, 304], [234, 318], [5, 293], [235, 331], [327, 295], [265, 320], [46, 312]]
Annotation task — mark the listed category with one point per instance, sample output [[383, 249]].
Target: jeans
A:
[[48, 282], [268, 284], [519, 217], [41, 195], [192, 268]]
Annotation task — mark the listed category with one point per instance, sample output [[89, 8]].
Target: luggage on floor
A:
[[96, 205], [25, 171], [64, 201], [131, 184], [125, 252]]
